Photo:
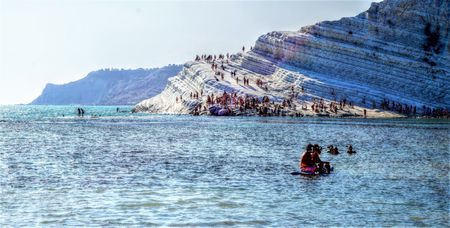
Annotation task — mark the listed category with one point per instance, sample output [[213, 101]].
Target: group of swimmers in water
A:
[[80, 112], [310, 161], [335, 150]]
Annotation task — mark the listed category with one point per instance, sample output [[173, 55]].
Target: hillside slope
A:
[[109, 87]]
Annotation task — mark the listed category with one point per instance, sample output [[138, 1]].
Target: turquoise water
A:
[[124, 169]]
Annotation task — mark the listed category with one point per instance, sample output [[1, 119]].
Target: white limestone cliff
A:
[[398, 50]]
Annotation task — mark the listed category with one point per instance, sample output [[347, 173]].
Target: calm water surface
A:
[[134, 169]]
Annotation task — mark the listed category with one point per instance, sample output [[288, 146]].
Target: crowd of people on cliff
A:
[[319, 105], [239, 103], [265, 106], [410, 110], [234, 102], [244, 103], [220, 57], [436, 112], [397, 107]]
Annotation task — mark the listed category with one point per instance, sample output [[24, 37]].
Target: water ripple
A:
[[141, 170]]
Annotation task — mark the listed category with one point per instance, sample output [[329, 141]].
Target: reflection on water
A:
[[135, 169]]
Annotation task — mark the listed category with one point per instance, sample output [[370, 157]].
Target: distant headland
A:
[[109, 87]]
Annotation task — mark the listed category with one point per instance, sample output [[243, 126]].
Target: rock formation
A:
[[109, 87], [396, 52]]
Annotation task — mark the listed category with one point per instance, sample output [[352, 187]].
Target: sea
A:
[[115, 168]]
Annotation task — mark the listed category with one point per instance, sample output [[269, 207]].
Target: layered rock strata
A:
[[396, 51]]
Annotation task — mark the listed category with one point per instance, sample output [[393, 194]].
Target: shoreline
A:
[[224, 87], [308, 116]]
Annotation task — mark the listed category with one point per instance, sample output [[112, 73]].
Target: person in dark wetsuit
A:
[[317, 148], [315, 156], [350, 149]]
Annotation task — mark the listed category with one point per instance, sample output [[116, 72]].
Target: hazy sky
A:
[[59, 41]]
